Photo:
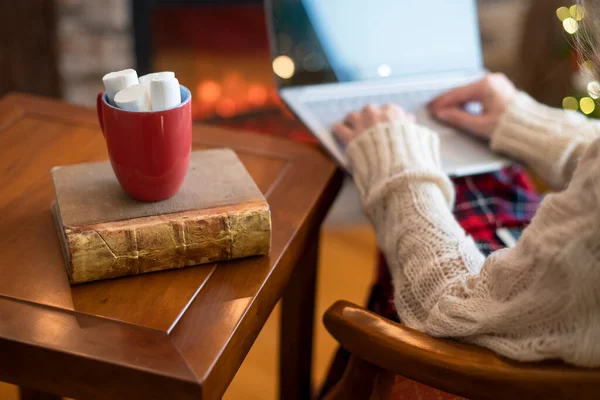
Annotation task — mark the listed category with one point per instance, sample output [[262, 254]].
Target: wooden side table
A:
[[178, 334]]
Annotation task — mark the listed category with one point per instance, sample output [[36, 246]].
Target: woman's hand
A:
[[495, 92], [356, 123]]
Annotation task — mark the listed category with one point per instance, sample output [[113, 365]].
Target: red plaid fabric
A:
[[484, 203]]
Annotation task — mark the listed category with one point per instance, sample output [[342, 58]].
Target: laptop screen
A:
[[324, 41]]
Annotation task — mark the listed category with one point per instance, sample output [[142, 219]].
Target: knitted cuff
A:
[[536, 134], [397, 148]]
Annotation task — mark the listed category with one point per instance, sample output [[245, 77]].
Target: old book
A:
[[218, 214]]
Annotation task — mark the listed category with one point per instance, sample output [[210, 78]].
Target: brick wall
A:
[[94, 37]]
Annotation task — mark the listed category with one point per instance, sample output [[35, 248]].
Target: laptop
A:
[[332, 57]]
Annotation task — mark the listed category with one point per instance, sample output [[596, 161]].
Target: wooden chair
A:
[[381, 348]]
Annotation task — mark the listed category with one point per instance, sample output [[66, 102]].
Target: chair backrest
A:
[[466, 370]]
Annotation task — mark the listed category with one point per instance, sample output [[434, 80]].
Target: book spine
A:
[[121, 248]]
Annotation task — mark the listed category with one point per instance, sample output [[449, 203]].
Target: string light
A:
[[587, 105], [570, 103], [570, 17]]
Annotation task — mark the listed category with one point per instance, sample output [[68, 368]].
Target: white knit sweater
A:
[[538, 300]]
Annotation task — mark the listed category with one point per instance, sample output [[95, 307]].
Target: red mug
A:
[[149, 150]]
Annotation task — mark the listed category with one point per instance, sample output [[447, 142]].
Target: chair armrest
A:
[[467, 370]]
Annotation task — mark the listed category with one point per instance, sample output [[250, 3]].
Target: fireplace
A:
[[221, 53]]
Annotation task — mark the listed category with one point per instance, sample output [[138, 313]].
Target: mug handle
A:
[[99, 111]]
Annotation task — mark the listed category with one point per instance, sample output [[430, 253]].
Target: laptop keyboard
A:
[[332, 110], [460, 154]]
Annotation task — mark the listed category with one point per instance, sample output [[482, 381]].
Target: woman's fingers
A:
[[352, 119], [459, 96], [357, 122], [392, 111], [476, 124], [343, 132], [370, 115], [494, 93]]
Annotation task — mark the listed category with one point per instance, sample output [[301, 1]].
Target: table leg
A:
[[30, 394], [297, 322]]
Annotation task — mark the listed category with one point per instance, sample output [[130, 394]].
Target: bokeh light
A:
[[225, 108], [209, 91], [284, 67], [313, 62], [301, 49], [570, 103], [257, 95], [563, 13], [593, 89], [587, 105], [384, 70], [571, 25], [588, 66], [576, 12]]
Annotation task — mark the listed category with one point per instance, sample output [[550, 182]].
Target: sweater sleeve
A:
[[549, 140], [539, 300]]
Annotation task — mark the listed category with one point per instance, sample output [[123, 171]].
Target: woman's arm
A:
[[408, 198], [538, 300], [549, 140]]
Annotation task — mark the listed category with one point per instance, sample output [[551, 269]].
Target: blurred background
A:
[[219, 49]]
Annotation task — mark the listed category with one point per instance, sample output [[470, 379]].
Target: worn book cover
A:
[[218, 214]]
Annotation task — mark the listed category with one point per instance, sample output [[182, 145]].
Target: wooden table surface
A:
[[173, 334]]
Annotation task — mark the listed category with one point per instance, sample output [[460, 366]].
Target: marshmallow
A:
[[164, 93], [114, 82], [146, 79], [133, 98]]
